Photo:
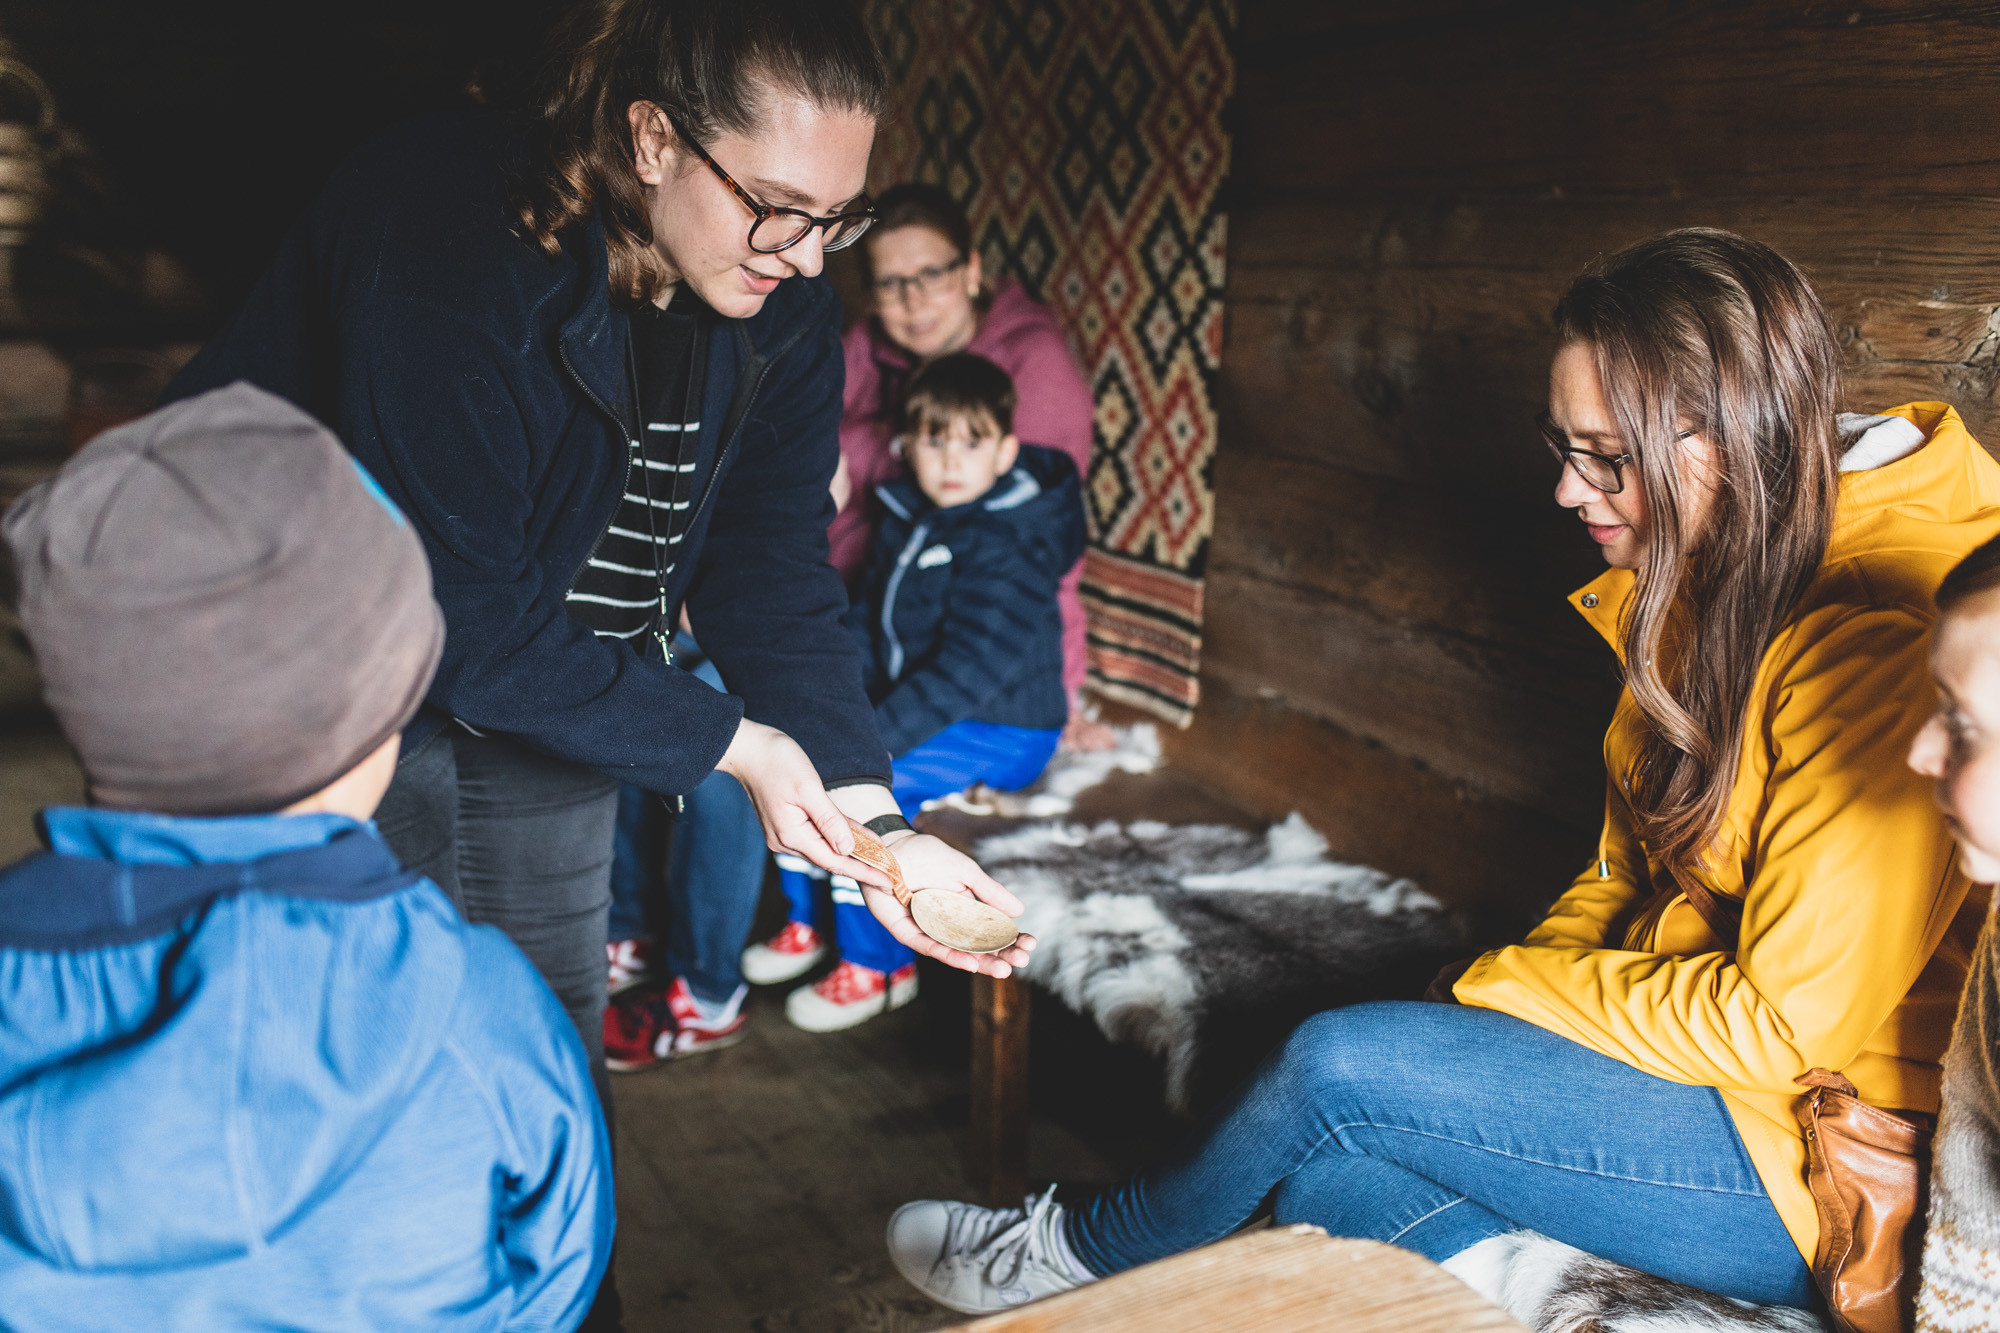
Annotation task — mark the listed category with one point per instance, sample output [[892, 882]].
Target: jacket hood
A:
[[188, 1063], [1912, 482], [1040, 490]]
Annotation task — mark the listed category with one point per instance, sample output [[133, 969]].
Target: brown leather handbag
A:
[[1867, 1169]]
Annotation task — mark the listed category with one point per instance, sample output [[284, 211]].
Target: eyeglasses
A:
[[777, 228], [926, 281], [1602, 472]]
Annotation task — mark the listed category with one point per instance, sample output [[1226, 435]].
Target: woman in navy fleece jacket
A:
[[458, 304]]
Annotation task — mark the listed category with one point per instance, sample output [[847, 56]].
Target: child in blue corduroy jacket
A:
[[961, 641], [255, 1073]]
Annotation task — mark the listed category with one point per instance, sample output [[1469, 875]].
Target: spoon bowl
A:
[[955, 920], [962, 921]]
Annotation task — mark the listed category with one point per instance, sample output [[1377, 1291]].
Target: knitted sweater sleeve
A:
[[1961, 1264]]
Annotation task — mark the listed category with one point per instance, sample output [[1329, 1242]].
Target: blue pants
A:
[[713, 878], [1007, 758], [1435, 1127]]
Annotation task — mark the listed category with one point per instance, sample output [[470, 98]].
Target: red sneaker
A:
[[631, 963], [790, 953], [646, 1028], [850, 995]]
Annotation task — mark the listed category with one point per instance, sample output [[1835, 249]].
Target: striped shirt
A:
[[617, 593]]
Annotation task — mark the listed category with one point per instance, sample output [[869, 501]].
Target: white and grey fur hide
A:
[[1555, 1288], [1205, 944]]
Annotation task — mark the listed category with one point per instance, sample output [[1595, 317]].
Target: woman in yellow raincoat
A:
[[1774, 891]]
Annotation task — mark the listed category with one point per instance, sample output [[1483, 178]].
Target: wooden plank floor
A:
[[755, 1183]]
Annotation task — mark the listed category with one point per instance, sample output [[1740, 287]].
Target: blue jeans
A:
[[1435, 1127], [962, 754], [714, 873]]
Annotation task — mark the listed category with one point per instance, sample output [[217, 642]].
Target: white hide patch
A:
[[1297, 864], [1555, 1288]]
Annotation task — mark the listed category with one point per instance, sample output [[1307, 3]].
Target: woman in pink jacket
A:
[[930, 299]]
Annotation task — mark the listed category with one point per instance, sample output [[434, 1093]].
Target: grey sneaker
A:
[[977, 1260]]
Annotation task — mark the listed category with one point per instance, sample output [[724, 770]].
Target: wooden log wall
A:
[[1388, 648]]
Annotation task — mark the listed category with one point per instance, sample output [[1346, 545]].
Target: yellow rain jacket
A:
[[1857, 925]]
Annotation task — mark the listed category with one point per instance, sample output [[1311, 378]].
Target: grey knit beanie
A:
[[227, 613]]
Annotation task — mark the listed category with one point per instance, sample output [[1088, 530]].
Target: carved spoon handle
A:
[[869, 850]]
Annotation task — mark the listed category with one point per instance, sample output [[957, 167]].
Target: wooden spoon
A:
[[957, 920]]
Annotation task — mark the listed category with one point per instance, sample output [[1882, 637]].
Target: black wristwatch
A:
[[883, 825]]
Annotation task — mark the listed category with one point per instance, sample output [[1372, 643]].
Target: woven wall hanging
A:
[[1085, 139]]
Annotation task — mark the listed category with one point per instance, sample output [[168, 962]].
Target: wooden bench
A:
[[1281, 1280]]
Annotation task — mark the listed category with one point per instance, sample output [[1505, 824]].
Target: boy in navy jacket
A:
[[960, 636], [254, 1073]]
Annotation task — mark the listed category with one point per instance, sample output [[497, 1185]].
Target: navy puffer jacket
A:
[[957, 614], [488, 389]]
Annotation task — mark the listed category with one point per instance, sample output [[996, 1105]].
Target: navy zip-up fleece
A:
[[487, 387], [957, 614]]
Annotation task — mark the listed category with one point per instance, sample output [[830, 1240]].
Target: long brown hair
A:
[[1702, 330], [708, 64]]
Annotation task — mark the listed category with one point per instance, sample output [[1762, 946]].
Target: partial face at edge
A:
[[1959, 746], [1616, 522], [801, 156]]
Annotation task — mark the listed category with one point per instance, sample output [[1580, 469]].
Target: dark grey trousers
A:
[[521, 841]]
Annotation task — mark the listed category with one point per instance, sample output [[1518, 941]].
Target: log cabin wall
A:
[[1388, 648]]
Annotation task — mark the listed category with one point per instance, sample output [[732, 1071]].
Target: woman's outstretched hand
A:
[[801, 818], [932, 863], [797, 814]]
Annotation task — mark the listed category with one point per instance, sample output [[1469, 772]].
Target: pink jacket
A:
[[1021, 336]]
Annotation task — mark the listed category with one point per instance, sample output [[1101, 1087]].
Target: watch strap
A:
[[883, 825]]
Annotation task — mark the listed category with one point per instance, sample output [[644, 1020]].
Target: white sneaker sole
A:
[[768, 967], [805, 1010], [916, 1239]]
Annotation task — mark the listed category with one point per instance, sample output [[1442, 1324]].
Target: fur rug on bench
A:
[[1205, 945]]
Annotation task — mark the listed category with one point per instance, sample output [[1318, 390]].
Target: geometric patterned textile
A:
[[1085, 139]]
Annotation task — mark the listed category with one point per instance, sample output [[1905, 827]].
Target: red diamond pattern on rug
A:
[[1085, 139]]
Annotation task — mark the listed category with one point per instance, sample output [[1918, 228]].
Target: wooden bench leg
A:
[[996, 1158]]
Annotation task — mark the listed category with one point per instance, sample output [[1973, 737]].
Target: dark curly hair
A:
[[707, 64]]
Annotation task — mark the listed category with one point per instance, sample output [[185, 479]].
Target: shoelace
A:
[[1014, 1244]]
